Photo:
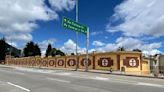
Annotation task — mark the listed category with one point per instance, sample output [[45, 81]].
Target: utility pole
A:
[[77, 18]]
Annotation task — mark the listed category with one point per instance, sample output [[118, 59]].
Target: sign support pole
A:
[[75, 26], [77, 63], [87, 46]]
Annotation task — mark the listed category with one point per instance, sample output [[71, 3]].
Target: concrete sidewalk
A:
[[123, 74]]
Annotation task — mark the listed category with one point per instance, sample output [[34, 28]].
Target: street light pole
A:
[[87, 42], [77, 36], [87, 46]]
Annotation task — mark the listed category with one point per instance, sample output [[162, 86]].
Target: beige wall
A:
[[96, 59], [110, 57], [130, 70], [145, 67]]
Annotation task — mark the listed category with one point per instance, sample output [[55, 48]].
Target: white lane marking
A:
[[149, 84], [59, 80], [82, 77], [20, 87], [63, 73], [100, 78]]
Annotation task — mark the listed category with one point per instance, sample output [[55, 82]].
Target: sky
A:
[[133, 24]]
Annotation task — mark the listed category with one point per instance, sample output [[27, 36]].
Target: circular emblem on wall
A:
[[44, 63], [21, 62], [16, 62], [25, 63], [71, 62], [38, 61], [51, 62], [33, 62], [105, 62], [84, 62], [60, 62], [29, 62], [132, 62]]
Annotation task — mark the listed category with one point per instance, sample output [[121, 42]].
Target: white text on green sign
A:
[[72, 25]]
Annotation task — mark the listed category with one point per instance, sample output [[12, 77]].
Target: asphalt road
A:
[[39, 80]]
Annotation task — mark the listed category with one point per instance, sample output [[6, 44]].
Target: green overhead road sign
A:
[[72, 25]]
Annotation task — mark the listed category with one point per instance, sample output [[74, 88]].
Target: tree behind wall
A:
[[53, 52], [137, 50], [3, 49], [72, 54], [31, 49], [48, 51], [37, 50], [121, 49], [59, 52]]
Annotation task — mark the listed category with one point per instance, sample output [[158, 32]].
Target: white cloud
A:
[[96, 33], [12, 44], [18, 17], [108, 47], [91, 50], [152, 52], [98, 43], [131, 43], [128, 42], [147, 38], [60, 5], [19, 37], [44, 44], [70, 47], [139, 17]]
